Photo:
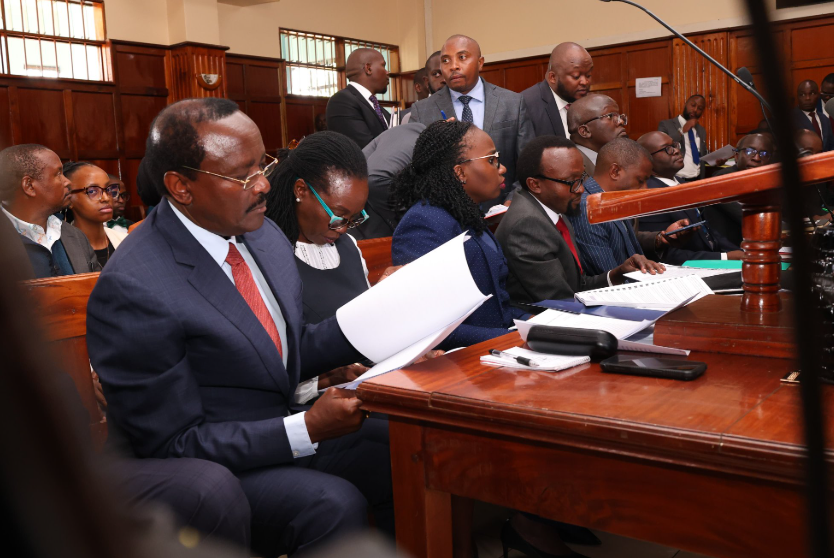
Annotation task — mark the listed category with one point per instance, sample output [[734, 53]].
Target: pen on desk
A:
[[443, 114], [519, 359]]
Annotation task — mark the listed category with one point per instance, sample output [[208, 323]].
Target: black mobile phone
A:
[[674, 369], [686, 228]]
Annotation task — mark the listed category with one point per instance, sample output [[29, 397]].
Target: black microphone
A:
[[746, 76], [715, 62]]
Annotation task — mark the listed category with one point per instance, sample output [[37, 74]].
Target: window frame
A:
[[103, 45]]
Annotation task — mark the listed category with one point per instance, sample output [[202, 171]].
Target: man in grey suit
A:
[[535, 236], [500, 113], [33, 188], [593, 121], [686, 130]]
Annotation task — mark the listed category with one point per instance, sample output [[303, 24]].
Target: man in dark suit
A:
[[500, 113], [434, 77], [593, 121], [826, 94], [622, 165], [535, 236], [33, 188], [809, 116], [686, 130], [355, 110], [704, 243], [196, 332], [568, 78]]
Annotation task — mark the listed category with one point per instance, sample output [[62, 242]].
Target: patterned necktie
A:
[[378, 110], [563, 228], [467, 112], [816, 124], [245, 284], [696, 156]]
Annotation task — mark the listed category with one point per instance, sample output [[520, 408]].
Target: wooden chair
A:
[[61, 305], [377, 254]]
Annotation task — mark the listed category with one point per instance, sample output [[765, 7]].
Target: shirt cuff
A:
[[723, 255], [306, 391], [298, 436], [608, 277]]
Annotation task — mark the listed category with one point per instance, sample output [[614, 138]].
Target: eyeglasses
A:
[[96, 192], [493, 159], [249, 181], [575, 185], [612, 116], [751, 152], [337, 222], [669, 149], [124, 196]]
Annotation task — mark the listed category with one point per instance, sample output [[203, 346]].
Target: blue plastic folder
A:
[[619, 312], [721, 264]]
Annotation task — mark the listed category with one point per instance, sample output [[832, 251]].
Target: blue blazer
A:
[[187, 369], [423, 228], [801, 120]]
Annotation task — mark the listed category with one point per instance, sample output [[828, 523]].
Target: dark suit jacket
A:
[[350, 114], [801, 120], [425, 227], [80, 253], [187, 368], [505, 120], [704, 244], [543, 111], [541, 265], [672, 128]]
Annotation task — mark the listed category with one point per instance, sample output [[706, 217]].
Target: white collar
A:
[[561, 104], [550, 213], [668, 181], [366, 93], [214, 244], [590, 153], [477, 92], [36, 233]]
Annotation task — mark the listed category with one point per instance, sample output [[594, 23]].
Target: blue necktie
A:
[[467, 112], [696, 157]]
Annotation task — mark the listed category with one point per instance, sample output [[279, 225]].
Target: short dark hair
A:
[[432, 55], [696, 95], [530, 159], [420, 74], [828, 79], [16, 162], [148, 188], [173, 142], [623, 151], [71, 167]]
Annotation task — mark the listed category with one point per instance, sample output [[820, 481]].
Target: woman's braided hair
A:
[[431, 176], [315, 159]]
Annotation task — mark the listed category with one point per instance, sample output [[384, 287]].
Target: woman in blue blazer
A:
[[454, 168]]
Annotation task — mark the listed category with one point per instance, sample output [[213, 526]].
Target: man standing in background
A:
[[355, 111], [688, 132]]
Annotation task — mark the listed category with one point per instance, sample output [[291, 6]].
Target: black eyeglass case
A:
[[571, 341]]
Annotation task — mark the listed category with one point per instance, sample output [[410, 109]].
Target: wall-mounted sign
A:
[[649, 87]]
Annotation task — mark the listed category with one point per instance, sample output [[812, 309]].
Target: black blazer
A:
[[704, 244], [351, 114], [802, 121], [543, 111]]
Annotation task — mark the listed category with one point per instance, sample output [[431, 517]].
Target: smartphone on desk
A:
[[674, 369]]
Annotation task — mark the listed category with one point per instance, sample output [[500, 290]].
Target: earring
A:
[[298, 200], [463, 182]]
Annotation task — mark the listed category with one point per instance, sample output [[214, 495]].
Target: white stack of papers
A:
[[673, 271], [400, 319], [549, 363], [662, 294], [496, 210], [725, 153]]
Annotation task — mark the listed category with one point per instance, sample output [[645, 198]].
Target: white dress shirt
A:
[[35, 233], [476, 105], [218, 248], [562, 105], [366, 93], [690, 169], [590, 153], [673, 182]]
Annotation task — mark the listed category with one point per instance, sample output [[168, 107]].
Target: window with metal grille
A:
[[315, 62], [54, 39]]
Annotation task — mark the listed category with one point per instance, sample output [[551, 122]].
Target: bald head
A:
[[366, 67], [586, 108], [569, 71], [469, 42], [667, 159], [808, 141], [461, 63], [594, 120]]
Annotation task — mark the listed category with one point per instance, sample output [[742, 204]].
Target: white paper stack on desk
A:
[[662, 294], [674, 271], [546, 363]]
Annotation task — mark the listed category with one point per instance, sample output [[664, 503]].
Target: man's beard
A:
[[574, 208], [686, 115], [563, 93]]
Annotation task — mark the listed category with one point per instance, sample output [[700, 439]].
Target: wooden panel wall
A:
[[255, 85]]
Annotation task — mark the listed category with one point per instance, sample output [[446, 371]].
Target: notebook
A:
[[548, 363], [664, 294]]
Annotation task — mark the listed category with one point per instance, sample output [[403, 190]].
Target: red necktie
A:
[[563, 228], [245, 284], [815, 123]]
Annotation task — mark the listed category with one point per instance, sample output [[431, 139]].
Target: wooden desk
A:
[[710, 466]]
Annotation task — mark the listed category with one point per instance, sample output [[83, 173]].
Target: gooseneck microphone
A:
[[747, 78], [738, 80]]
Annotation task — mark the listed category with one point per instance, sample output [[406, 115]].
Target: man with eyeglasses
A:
[[593, 121], [32, 189], [539, 242], [195, 329], [705, 243], [686, 130]]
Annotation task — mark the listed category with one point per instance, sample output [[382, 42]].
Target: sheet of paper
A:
[[663, 294], [496, 210], [414, 303], [643, 342], [548, 363], [618, 328], [673, 271], [649, 87], [724, 153]]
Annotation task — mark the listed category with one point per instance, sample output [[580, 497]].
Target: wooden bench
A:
[[61, 305]]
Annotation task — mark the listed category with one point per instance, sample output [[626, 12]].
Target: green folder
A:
[[721, 264]]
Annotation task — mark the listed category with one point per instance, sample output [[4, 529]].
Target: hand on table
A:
[[636, 262], [735, 255]]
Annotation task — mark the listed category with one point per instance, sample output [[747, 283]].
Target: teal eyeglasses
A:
[[337, 222]]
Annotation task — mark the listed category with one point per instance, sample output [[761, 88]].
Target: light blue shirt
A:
[[218, 248], [477, 104]]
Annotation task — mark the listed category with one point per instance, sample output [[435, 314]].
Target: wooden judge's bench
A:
[[713, 466]]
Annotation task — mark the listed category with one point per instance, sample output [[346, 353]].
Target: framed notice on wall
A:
[[796, 3]]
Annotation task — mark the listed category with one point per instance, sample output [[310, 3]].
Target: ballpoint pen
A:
[[443, 114], [519, 359]]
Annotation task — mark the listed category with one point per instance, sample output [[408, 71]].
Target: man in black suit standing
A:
[[568, 78], [686, 130], [355, 111], [809, 116]]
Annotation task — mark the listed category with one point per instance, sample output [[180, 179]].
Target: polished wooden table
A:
[[711, 466]]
